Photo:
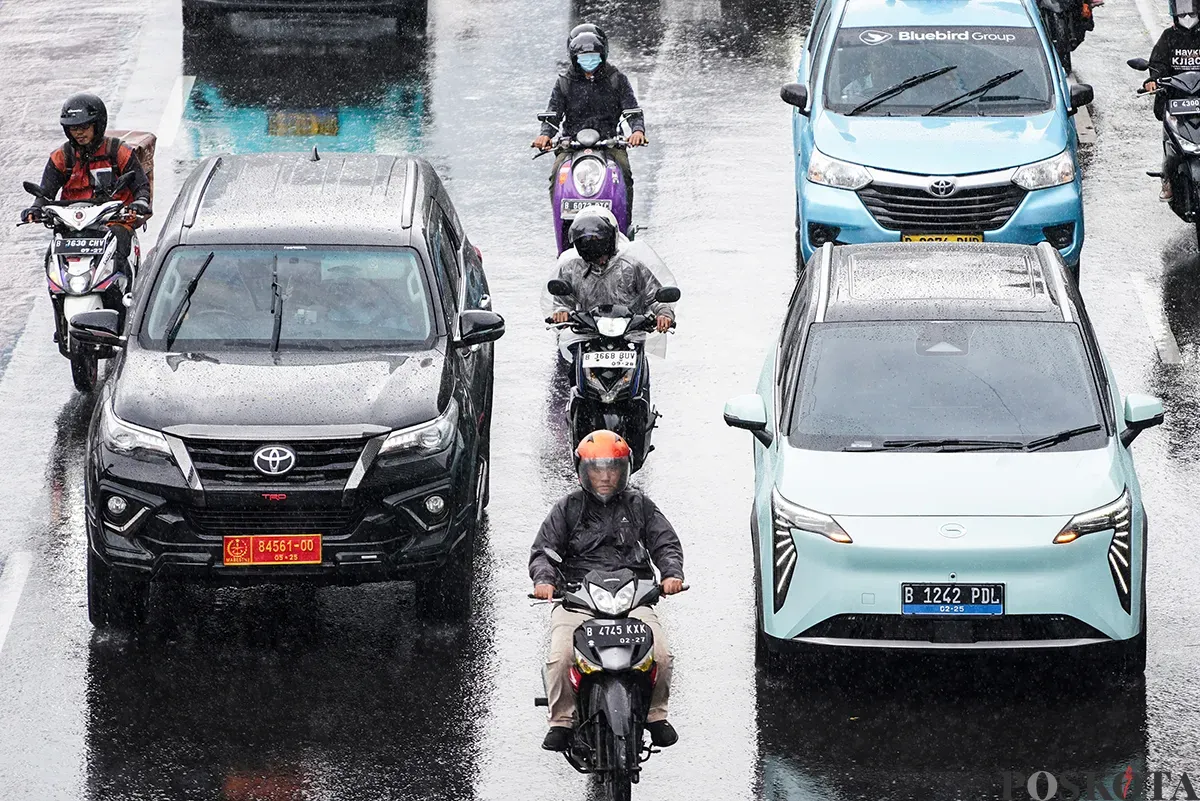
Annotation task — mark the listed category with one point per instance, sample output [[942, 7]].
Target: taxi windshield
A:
[[947, 71]]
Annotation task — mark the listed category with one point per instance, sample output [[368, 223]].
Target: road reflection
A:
[[285, 84], [934, 728]]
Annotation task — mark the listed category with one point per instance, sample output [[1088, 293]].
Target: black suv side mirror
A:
[[667, 294], [795, 94], [476, 327], [1081, 95], [101, 328]]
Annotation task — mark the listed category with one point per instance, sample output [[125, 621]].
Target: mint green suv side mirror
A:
[[1141, 412], [749, 412]]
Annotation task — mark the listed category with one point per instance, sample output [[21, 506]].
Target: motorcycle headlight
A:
[[610, 603], [788, 515], [1054, 171], [128, 439], [1115, 516], [589, 176], [426, 438], [612, 326], [828, 171]]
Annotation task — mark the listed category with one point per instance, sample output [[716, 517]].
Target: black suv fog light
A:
[[118, 509], [1061, 235], [819, 234], [435, 505]]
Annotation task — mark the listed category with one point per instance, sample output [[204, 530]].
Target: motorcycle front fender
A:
[[614, 697]]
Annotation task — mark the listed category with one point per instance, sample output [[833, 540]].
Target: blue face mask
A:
[[589, 61]]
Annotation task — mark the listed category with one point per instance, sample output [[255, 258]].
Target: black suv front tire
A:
[[114, 601]]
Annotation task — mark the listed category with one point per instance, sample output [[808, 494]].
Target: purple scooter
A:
[[590, 177]]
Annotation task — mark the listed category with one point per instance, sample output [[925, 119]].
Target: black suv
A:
[[304, 392], [411, 15]]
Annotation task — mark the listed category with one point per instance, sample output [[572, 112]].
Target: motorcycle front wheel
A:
[[85, 368]]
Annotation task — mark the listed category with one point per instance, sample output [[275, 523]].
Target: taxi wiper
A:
[[1060, 437], [967, 97], [953, 444], [186, 301], [900, 88]]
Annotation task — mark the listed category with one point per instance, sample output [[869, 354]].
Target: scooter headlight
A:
[[78, 284], [588, 175], [1054, 171], [612, 603], [612, 326]]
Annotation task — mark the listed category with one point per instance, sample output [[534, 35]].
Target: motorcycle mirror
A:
[[631, 112], [667, 294], [552, 555], [1139, 64], [35, 190], [122, 182], [557, 286], [547, 116]]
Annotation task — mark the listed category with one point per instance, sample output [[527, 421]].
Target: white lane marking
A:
[[12, 581], [172, 115], [1156, 321]]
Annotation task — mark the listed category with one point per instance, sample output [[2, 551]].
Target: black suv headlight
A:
[[128, 439], [426, 438]]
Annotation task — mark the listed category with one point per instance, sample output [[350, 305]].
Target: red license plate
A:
[[273, 549]]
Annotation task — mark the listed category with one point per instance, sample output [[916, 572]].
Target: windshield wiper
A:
[[953, 444], [1060, 437], [186, 301], [900, 88], [967, 97], [276, 304]]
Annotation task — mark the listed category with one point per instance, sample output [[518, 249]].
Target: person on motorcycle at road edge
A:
[[1177, 50], [604, 525], [89, 163], [592, 93], [601, 267]]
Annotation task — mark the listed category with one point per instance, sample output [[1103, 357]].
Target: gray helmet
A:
[[587, 27], [1185, 13], [82, 108]]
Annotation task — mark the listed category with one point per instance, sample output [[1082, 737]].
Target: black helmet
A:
[[81, 109], [587, 27], [587, 42], [593, 234]]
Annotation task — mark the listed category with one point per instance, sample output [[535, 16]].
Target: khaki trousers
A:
[[559, 692]]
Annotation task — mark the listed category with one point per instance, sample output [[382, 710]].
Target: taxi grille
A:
[[326, 462], [973, 210]]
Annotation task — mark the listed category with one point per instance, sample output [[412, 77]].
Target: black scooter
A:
[[613, 675], [1181, 121], [611, 375]]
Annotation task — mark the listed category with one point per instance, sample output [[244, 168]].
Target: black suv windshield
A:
[[867, 61], [292, 298], [918, 385]]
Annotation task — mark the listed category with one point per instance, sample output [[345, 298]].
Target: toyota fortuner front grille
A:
[[916, 211], [324, 462]]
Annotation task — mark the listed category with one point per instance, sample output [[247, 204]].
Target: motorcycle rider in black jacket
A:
[[606, 525], [1177, 50]]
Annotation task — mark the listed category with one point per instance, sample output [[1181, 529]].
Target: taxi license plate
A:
[[941, 237], [272, 549], [618, 359], [302, 123]]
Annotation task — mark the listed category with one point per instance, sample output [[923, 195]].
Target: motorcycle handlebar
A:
[[558, 595]]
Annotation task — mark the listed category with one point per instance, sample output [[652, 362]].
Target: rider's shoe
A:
[[558, 738], [1166, 193], [662, 733]]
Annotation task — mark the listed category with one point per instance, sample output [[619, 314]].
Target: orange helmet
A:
[[602, 460]]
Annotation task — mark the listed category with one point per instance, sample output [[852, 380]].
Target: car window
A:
[[445, 261], [789, 337], [864, 62], [323, 299], [864, 383], [475, 280]]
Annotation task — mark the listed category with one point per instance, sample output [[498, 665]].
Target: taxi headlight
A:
[[828, 171], [1054, 171]]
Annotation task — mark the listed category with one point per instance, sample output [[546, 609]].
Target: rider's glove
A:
[[32, 214], [140, 207]]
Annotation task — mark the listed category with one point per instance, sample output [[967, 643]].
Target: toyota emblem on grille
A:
[[952, 530], [941, 187], [274, 460]]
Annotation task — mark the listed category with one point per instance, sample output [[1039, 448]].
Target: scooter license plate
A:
[[612, 633], [1183, 106], [573, 207], [79, 247], [610, 359]]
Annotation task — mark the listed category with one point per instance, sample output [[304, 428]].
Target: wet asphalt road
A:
[[339, 694]]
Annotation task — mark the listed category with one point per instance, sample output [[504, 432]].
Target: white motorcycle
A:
[[81, 270]]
